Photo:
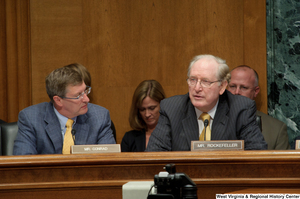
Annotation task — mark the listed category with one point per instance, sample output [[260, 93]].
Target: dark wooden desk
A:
[[102, 175]]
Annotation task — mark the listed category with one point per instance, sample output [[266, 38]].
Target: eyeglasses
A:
[[241, 88], [87, 91], [203, 83]]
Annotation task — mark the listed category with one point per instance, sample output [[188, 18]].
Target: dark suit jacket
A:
[[40, 132], [274, 132], [177, 126], [134, 141]]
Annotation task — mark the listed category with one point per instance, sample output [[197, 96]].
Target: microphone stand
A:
[[205, 125]]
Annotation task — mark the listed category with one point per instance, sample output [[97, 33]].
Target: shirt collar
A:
[[212, 112], [62, 119]]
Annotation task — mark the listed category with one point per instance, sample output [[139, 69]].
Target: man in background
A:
[[68, 119], [230, 117], [244, 81]]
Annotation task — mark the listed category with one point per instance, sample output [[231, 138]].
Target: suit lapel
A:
[[53, 128], [190, 124], [82, 129], [220, 120]]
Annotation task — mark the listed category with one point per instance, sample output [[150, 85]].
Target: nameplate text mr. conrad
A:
[[99, 148], [217, 145]]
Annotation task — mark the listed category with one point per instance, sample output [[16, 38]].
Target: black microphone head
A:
[[73, 131], [206, 122]]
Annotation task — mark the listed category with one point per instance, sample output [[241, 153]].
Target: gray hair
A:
[[223, 70]]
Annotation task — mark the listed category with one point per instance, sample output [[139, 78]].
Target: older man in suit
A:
[[43, 127], [244, 81], [231, 117]]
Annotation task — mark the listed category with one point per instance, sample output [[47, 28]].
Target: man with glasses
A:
[[230, 117], [244, 81], [43, 127]]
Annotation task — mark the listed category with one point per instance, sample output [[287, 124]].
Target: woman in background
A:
[[143, 116]]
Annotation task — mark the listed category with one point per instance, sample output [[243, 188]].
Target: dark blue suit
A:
[[177, 126], [40, 132]]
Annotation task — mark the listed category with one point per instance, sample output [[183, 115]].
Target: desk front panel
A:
[[94, 175]]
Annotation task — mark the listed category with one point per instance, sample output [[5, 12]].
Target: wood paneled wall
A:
[[125, 42], [15, 67]]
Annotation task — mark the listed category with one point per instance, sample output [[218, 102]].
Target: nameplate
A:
[[217, 145], [100, 148], [297, 147]]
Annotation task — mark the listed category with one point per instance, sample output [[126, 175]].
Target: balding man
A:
[[244, 81]]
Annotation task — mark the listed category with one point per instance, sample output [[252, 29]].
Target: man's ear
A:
[[223, 87], [256, 91], [57, 100]]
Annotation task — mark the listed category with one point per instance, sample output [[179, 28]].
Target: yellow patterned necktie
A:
[[68, 139], [203, 137]]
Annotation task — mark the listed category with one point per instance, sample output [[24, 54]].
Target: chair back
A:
[[1, 122], [0, 142], [8, 135], [113, 128]]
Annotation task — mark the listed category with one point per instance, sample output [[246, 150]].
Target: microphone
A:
[[205, 125], [73, 132]]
